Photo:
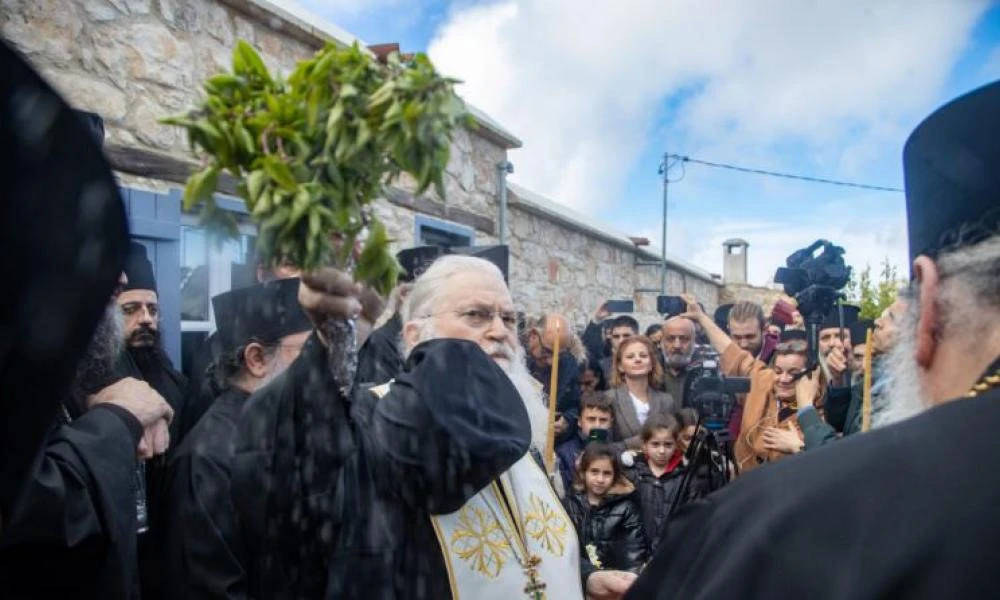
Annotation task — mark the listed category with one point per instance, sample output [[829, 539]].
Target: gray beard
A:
[[97, 368], [678, 361], [904, 397], [516, 368]]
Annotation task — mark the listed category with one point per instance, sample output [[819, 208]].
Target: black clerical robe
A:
[[72, 531], [379, 359], [334, 496], [908, 511], [202, 551], [153, 366]]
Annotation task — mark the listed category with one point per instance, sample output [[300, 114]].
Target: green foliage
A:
[[874, 296], [314, 151]]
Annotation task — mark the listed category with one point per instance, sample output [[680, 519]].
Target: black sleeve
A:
[[815, 431], [450, 423], [838, 400], [635, 547], [81, 500], [201, 549]]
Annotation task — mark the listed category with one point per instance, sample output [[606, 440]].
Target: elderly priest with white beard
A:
[[908, 510], [422, 488]]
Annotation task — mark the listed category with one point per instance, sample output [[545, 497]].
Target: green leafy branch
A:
[[313, 152]]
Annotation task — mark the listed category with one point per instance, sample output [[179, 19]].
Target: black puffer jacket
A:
[[656, 495], [614, 528]]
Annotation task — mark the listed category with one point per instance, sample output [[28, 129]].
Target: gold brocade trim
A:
[[984, 384], [452, 583]]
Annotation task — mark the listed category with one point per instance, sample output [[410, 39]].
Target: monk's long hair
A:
[[655, 371]]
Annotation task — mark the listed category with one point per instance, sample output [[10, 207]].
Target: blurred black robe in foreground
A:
[[909, 511], [379, 359], [66, 498], [203, 554], [333, 496]]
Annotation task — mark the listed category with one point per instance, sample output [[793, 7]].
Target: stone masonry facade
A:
[[136, 61]]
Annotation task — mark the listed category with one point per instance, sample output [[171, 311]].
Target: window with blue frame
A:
[[435, 232]]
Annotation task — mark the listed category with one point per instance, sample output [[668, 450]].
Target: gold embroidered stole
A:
[[492, 545]]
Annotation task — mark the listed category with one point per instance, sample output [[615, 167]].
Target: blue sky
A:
[[597, 94]]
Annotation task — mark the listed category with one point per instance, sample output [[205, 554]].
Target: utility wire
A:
[[863, 186]]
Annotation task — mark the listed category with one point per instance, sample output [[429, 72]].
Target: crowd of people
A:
[[450, 468]]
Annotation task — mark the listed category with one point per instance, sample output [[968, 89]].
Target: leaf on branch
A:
[[200, 186]]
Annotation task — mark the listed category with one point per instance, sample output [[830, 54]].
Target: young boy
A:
[[657, 473], [595, 420]]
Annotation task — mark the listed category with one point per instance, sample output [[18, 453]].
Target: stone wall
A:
[[766, 297], [555, 267], [135, 61]]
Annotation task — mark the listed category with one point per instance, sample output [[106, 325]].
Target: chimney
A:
[[734, 261]]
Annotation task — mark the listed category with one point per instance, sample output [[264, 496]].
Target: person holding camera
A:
[[768, 429]]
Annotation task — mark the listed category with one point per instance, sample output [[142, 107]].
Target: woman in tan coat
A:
[[633, 397], [770, 430]]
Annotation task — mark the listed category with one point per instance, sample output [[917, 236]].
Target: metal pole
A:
[[663, 240], [503, 168]]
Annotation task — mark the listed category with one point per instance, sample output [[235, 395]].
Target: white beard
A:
[[516, 368], [903, 396]]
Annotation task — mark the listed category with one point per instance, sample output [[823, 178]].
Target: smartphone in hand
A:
[[620, 306]]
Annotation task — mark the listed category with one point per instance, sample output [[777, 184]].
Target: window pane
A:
[[432, 236], [194, 274], [243, 268]]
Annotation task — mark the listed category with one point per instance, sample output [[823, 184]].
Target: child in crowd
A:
[[657, 473], [604, 511], [594, 423], [688, 419]]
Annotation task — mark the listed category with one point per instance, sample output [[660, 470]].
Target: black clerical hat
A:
[[832, 318], [951, 164], [721, 316], [498, 255], [793, 335], [416, 260], [266, 311], [63, 236], [859, 331], [138, 269]]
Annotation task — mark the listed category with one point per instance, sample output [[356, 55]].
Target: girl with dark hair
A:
[[657, 473], [605, 511]]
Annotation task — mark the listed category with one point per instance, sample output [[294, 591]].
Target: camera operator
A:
[[769, 429], [818, 432]]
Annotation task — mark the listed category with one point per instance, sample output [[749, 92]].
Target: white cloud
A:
[[584, 88]]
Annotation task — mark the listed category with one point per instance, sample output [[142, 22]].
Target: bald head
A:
[[554, 324], [678, 341], [542, 339]]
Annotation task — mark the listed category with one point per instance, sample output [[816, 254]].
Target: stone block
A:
[[143, 120], [90, 93], [218, 23], [49, 33], [103, 10], [244, 29], [183, 15]]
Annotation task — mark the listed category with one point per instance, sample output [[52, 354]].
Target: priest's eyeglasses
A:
[[481, 317]]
